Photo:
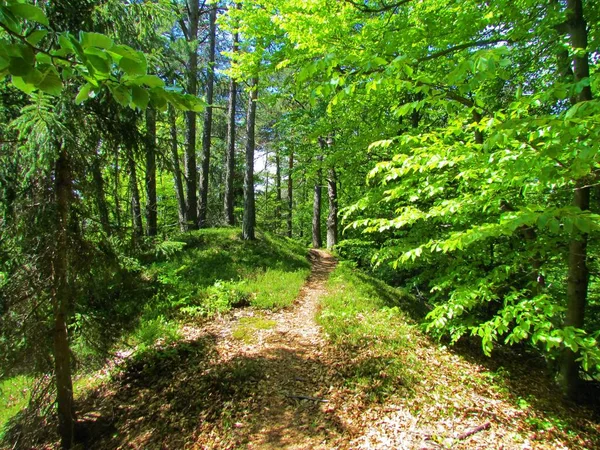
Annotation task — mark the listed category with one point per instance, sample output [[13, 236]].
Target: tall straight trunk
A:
[[316, 221], [249, 220], [277, 189], [578, 274], [332, 219], [150, 144], [116, 187], [290, 192], [178, 183], [136, 206], [267, 185], [99, 191], [304, 201], [208, 114], [61, 303], [191, 171], [230, 158]]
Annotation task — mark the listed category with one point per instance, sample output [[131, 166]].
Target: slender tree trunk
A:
[[230, 162], [230, 159], [61, 303], [178, 183], [277, 190], [136, 206], [578, 274], [290, 192], [316, 221], [116, 192], [191, 171], [304, 202], [99, 191], [207, 130], [332, 219], [249, 220], [150, 144], [266, 215]]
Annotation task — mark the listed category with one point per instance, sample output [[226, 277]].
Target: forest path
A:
[[289, 404]]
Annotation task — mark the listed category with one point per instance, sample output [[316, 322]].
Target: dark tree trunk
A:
[[277, 189], [332, 219], [249, 220], [230, 163], [316, 221], [207, 130], [578, 274], [266, 215], [230, 159], [290, 192], [136, 206], [99, 191], [116, 191], [191, 172], [61, 303], [178, 183], [150, 144]]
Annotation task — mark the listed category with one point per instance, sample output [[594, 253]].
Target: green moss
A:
[[247, 328]]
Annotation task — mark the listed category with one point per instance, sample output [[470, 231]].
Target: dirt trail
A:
[[290, 405]]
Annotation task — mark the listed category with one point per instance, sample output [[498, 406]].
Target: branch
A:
[[462, 47], [383, 8]]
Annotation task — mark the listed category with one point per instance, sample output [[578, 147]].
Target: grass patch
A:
[[275, 289], [248, 327], [14, 396], [362, 315]]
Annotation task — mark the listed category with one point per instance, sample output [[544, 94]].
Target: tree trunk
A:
[[207, 130], [191, 172], [266, 215], [316, 221], [290, 192], [249, 220], [60, 303], [136, 206], [578, 274], [332, 219], [99, 191], [116, 191], [150, 144], [178, 183], [230, 164], [277, 189]]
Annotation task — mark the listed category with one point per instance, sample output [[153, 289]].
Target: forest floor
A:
[[259, 379]]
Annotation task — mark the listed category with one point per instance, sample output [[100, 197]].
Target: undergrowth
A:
[[192, 276], [363, 315]]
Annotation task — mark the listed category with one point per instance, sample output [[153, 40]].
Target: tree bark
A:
[[230, 164], [99, 192], [116, 189], [150, 144], [136, 206], [277, 190], [332, 219], [177, 181], [578, 274], [61, 303], [290, 192], [208, 114], [191, 172], [316, 221], [249, 220]]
